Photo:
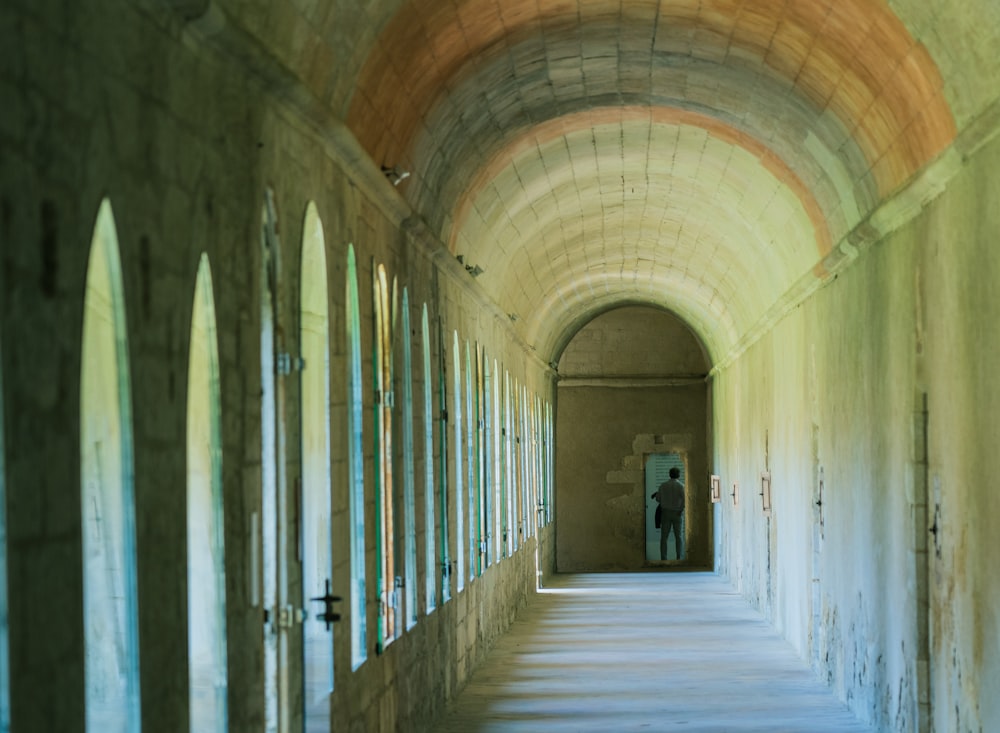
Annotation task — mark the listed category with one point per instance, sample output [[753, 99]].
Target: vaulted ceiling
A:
[[701, 155]]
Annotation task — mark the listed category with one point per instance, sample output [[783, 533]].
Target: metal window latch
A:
[[288, 364], [328, 616]]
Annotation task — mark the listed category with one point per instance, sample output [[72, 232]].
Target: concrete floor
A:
[[644, 651]]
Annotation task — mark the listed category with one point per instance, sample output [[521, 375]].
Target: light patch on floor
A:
[[644, 651]]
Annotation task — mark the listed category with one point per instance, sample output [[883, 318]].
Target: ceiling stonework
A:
[[699, 155]]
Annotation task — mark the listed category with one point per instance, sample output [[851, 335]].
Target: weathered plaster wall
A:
[[630, 385], [184, 128], [958, 338], [834, 394]]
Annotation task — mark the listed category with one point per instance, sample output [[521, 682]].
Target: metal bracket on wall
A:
[[765, 492]]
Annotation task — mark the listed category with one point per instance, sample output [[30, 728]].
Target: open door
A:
[[657, 470]]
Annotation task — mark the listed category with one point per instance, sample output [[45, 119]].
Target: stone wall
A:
[[832, 402], [188, 130]]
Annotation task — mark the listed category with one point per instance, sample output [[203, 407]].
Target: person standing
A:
[[670, 496]]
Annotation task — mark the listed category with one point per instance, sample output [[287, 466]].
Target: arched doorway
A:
[[632, 384]]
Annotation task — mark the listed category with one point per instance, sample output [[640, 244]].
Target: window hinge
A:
[[289, 616], [288, 364]]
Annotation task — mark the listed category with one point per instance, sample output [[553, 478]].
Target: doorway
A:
[[657, 470], [631, 384]]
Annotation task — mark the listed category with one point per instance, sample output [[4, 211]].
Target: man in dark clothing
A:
[[670, 495]]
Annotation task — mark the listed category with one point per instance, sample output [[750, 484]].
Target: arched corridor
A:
[[330, 332]]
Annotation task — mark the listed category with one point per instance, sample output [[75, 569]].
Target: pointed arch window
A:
[[509, 527], [111, 647], [355, 465], [446, 564], [456, 411], [317, 560], [409, 479], [486, 456], [385, 310], [471, 474], [496, 467], [205, 545], [430, 557]]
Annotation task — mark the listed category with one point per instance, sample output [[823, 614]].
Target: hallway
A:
[[330, 330], [589, 654]]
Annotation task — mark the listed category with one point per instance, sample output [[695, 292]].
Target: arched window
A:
[[384, 309], [355, 465], [456, 412], [470, 463], [486, 456], [443, 469], [507, 469], [549, 462], [205, 543], [536, 465], [525, 439], [496, 467], [430, 558], [317, 560], [409, 503], [109, 591]]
